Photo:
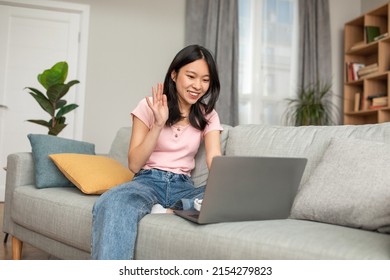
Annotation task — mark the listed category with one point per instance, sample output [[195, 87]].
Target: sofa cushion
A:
[[46, 173], [305, 141], [120, 145], [92, 174], [349, 187], [62, 214], [257, 240]]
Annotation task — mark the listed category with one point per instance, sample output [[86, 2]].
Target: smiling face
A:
[[192, 82]]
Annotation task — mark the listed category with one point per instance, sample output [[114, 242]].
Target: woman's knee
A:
[[125, 196]]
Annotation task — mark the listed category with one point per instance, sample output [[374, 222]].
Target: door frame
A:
[[67, 7]]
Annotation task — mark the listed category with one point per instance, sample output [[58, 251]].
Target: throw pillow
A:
[[92, 174], [46, 173], [349, 187]]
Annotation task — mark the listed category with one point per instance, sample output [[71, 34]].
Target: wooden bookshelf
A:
[[367, 69]]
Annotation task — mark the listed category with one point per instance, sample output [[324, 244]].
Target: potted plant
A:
[[311, 106], [53, 80]]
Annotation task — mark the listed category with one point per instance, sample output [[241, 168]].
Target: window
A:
[[267, 59]]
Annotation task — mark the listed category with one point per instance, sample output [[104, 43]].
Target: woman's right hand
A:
[[158, 105]]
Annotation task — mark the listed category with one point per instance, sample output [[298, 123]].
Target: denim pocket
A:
[[185, 178]]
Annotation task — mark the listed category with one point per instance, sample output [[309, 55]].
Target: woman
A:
[[166, 134]]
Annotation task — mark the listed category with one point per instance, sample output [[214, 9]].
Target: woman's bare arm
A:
[[212, 145]]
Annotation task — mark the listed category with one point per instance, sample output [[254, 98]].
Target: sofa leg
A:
[[17, 246]]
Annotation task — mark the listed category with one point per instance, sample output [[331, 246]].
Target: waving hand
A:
[[159, 105]]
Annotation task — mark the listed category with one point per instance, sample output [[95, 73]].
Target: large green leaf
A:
[[66, 109], [70, 84], [40, 122], [61, 103], [56, 92], [67, 87], [73, 82], [55, 75], [43, 102], [37, 92]]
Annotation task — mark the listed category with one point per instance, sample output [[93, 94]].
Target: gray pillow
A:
[[120, 146], [349, 187], [47, 175]]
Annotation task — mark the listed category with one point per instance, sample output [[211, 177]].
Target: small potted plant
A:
[[53, 80], [312, 106]]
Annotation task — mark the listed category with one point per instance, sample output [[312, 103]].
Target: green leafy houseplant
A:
[[53, 80], [312, 106]]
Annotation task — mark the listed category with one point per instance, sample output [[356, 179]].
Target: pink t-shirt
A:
[[177, 145]]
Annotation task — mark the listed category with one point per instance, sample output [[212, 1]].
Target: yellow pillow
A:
[[92, 174]]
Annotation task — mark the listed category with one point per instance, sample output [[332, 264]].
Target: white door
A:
[[34, 38]]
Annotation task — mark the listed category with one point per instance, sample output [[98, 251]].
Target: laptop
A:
[[242, 188]]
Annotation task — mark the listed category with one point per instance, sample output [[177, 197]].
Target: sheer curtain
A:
[[268, 64]]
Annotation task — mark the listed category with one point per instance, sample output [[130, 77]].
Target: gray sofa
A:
[[58, 220]]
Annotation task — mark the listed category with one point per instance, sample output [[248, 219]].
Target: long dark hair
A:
[[207, 102]]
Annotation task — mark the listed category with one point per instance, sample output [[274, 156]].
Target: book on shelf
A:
[[379, 101], [369, 67], [352, 69], [384, 35], [348, 75], [372, 107], [371, 33], [355, 68], [357, 104], [377, 95], [367, 70], [368, 103]]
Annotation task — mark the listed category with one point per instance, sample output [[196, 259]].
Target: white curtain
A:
[[268, 52]]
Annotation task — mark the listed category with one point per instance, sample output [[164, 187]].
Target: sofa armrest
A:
[[20, 172]]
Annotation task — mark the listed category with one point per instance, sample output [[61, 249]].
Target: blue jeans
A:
[[116, 213]]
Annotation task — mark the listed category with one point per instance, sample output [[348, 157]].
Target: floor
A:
[[29, 252]]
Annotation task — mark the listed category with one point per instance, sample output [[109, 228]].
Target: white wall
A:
[[368, 5], [340, 13], [131, 44]]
